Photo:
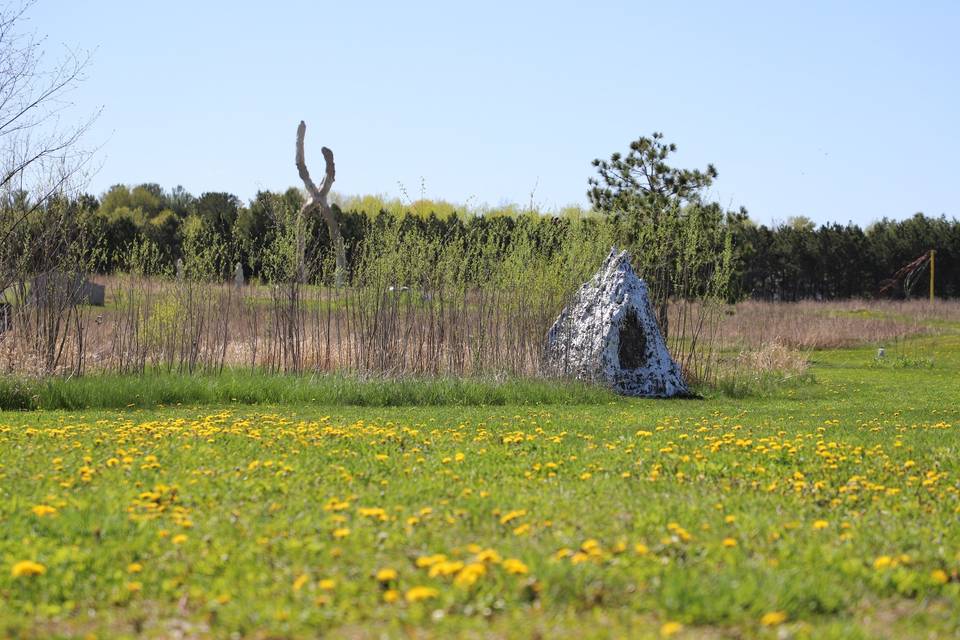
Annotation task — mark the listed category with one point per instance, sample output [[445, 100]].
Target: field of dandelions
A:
[[825, 510]]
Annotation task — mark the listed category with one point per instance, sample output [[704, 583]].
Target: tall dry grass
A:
[[163, 325], [830, 325]]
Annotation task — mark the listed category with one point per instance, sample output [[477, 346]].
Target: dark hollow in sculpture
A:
[[633, 342]]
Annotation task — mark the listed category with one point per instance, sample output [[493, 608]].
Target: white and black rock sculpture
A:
[[608, 334]]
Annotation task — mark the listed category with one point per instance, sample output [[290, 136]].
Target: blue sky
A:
[[833, 110]]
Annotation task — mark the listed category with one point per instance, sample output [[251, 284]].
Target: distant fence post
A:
[[933, 256]]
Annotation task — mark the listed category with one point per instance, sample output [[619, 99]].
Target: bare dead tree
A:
[[42, 163], [317, 198], [39, 156]]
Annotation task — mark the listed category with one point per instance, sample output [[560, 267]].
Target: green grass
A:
[[247, 388], [838, 501]]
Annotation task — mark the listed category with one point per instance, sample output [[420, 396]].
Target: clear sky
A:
[[833, 110]]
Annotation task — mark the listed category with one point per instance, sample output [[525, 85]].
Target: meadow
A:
[[827, 508]]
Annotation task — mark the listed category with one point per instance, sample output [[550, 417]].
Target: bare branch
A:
[[312, 191], [317, 197]]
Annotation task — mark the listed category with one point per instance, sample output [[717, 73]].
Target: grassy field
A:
[[828, 509]]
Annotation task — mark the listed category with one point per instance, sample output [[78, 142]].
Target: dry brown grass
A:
[[773, 357], [186, 327], [832, 325]]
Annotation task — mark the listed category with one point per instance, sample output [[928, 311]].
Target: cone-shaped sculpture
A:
[[608, 334]]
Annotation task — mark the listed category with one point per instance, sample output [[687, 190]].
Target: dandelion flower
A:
[[670, 628], [300, 581], [470, 574], [445, 568], [27, 568], [488, 555], [773, 618], [42, 510], [417, 594], [514, 566], [512, 515], [429, 561], [386, 575], [391, 595]]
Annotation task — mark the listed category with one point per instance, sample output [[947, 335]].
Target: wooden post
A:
[[933, 256]]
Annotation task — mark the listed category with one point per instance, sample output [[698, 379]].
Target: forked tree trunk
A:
[[317, 197]]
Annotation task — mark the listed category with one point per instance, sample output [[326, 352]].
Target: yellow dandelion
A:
[[134, 587], [180, 538], [729, 542], [488, 555], [327, 584], [391, 595], [445, 568], [134, 567], [342, 532], [670, 628], [386, 575], [512, 515], [417, 594], [429, 561], [641, 549], [939, 576], [773, 618], [27, 568], [42, 510], [514, 566], [882, 562], [300, 581], [820, 524], [469, 575]]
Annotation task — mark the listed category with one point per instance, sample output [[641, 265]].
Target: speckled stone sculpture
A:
[[608, 334]]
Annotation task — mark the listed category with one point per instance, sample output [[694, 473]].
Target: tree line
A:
[[148, 228]]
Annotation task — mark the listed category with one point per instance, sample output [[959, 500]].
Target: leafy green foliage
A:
[[790, 261]]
